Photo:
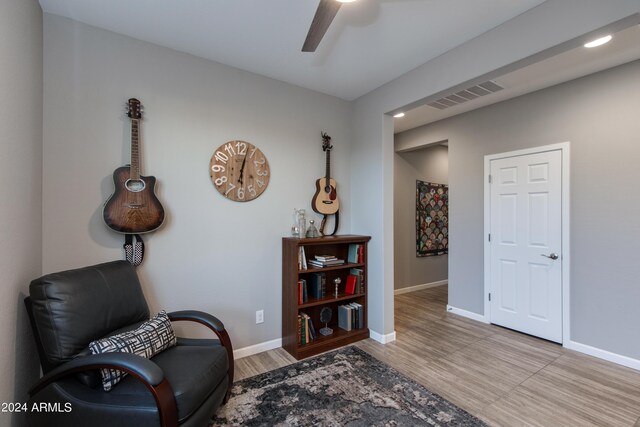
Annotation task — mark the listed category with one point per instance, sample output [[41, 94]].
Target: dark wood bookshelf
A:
[[291, 274]]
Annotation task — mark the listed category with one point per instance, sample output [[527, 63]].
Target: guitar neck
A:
[[135, 151], [328, 175]]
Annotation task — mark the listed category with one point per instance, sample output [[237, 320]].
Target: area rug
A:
[[347, 387]]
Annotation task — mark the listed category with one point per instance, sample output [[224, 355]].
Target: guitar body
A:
[[325, 201], [133, 207]]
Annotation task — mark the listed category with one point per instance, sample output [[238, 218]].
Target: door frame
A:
[[564, 148]]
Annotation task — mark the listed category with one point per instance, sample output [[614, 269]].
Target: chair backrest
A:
[[70, 309]]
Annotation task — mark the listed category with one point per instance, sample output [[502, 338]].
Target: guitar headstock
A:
[[134, 109], [326, 141]]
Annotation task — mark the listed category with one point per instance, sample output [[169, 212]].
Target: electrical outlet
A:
[[259, 316]]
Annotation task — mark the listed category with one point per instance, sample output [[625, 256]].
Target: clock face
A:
[[239, 171]]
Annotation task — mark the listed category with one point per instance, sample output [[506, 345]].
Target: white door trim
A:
[[566, 251]]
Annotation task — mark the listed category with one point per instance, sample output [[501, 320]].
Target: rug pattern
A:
[[347, 387]]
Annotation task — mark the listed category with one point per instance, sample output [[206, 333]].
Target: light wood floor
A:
[[503, 377]]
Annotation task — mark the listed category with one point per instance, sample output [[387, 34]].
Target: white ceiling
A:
[[369, 43], [572, 64]]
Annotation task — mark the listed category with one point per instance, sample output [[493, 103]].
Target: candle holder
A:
[[337, 281]]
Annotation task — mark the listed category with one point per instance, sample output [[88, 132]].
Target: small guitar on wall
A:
[[133, 208], [325, 201]]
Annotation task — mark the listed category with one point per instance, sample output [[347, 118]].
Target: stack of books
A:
[[351, 316], [306, 331], [321, 261]]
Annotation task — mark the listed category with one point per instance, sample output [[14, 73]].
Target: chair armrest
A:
[[206, 319], [144, 370], [216, 326]]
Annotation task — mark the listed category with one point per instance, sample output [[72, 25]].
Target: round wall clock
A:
[[239, 171]]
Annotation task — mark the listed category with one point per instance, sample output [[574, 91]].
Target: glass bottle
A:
[[295, 228], [312, 231], [302, 223]]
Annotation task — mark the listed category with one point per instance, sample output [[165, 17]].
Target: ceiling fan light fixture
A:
[[599, 42]]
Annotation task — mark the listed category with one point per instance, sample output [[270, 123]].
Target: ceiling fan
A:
[[327, 10]]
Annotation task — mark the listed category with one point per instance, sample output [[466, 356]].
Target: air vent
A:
[[465, 95]]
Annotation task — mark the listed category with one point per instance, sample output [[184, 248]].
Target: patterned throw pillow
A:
[[149, 339]]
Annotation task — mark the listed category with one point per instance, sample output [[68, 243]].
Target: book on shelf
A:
[[303, 328], [325, 257], [356, 253], [302, 259], [351, 316], [312, 329], [317, 285], [307, 330], [350, 286], [303, 294], [321, 264], [360, 309], [359, 273], [344, 317]]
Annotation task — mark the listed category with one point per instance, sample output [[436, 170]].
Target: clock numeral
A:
[[230, 187], [220, 181], [217, 168], [257, 163], [240, 193], [221, 157], [260, 183], [253, 152], [241, 147], [252, 190], [229, 149], [262, 173]]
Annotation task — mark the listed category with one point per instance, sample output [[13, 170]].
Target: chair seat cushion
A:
[[193, 371]]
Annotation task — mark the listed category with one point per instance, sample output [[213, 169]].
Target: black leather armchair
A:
[[183, 385]]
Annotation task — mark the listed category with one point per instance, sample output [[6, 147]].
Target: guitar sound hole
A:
[[327, 189], [135, 185]]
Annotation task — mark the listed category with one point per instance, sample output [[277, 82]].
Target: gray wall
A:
[[429, 164], [598, 114], [20, 192], [212, 254], [539, 30]]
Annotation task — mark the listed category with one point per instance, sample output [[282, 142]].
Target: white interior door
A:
[[526, 243]]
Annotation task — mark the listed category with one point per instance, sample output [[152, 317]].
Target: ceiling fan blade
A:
[[327, 10]]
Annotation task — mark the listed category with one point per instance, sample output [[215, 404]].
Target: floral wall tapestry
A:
[[432, 219]]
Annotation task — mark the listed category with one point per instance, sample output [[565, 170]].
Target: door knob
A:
[[552, 255]]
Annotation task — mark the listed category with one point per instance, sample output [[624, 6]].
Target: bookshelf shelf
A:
[[291, 309], [341, 297], [347, 265], [333, 340]]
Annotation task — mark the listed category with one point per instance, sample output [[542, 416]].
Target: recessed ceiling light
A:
[[399, 115], [598, 42]]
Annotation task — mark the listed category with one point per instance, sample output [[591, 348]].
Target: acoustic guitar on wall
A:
[[133, 208], [325, 201]]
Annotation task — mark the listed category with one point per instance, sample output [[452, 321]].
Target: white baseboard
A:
[[468, 314], [629, 362], [257, 348], [419, 287], [382, 339]]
